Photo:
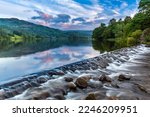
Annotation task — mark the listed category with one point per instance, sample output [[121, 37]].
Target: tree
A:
[[98, 32], [127, 19], [136, 34], [112, 21], [131, 41], [144, 6]]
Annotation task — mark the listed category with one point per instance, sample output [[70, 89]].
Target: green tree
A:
[[144, 6], [98, 32], [131, 41]]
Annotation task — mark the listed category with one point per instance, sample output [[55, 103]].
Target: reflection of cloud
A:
[[79, 56], [12, 67]]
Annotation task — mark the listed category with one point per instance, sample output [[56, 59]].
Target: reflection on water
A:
[[18, 66], [108, 45]]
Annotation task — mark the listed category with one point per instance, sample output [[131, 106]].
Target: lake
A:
[[12, 67]]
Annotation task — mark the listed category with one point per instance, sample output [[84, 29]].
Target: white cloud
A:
[[124, 5], [8, 10]]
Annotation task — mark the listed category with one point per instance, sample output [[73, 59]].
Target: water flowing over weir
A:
[[120, 74]]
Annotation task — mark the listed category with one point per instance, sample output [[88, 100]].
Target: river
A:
[[12, 67]]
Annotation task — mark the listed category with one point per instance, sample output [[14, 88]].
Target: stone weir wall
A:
[[99, 63]]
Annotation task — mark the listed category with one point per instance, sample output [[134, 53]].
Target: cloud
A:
[[68, 14], [78, 20], [61, 18]]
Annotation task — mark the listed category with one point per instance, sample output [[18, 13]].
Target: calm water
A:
[[12, 67]]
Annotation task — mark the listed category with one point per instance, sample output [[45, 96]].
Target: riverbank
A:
[[121, 74]]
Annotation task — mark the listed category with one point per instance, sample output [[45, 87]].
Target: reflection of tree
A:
[[103, 46]]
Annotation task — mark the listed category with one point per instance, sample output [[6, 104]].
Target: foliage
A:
[[127, 32], [136, 35], [131, 41]]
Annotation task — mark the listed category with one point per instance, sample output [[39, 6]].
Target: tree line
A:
[[127, 32]]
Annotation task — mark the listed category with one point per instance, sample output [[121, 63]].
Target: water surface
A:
[[12, 67]]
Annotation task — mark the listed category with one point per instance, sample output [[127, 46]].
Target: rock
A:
[[41, 79], [113, 98], [34, 84], [59, 73], [59, 97], [71, 86], [100, 95], [90, 96], [81, 83], [2, 92], [142, 88], [45, 95], [147, 45], [95, 84], [123, 77], [86, 77], [105, 78], [68, 79], [26, 84]]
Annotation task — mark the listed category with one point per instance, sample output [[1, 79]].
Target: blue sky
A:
[[68, 14]]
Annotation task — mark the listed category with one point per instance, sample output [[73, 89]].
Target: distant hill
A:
[[15, 33]]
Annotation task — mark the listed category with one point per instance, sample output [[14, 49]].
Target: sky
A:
[[68, 14]]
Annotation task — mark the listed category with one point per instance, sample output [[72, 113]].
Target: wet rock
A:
[[26, 84], [86, 77], [123, 77], [100, 95], [8, 94], [68, 79], [41, 79], [81, 83], [90, 96], [34, 83], [59, 73], [2, 92], [105, 78], [71, 86], [95, 84], [59, 97], [45, 95], [147, 45], [112, 98], [20, 89]]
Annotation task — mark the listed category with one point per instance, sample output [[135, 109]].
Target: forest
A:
[[15, 33], [124, 32]]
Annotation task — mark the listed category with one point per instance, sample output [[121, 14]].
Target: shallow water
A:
[[12, 67]]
